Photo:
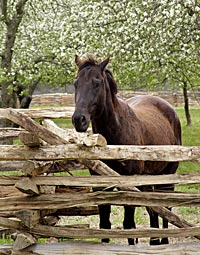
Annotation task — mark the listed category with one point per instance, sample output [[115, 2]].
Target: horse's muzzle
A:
[[80, 122]]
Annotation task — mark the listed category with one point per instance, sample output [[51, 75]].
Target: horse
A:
[[140, 120]]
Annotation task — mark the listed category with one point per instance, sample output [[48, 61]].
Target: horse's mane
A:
[[111, 81], [89, 61]]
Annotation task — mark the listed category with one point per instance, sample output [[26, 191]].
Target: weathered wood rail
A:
[[62, 99], [36, 200]]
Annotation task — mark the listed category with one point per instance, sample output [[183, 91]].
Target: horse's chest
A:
[[126, 167]]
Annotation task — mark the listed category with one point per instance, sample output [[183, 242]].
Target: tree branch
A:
[[4, 4]]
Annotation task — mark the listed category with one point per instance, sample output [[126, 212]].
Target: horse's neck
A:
[[109, 124]]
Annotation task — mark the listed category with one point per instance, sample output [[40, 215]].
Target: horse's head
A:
[[90, 92]]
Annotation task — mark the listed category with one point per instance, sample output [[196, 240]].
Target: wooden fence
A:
[[31, 202], [64, 99]]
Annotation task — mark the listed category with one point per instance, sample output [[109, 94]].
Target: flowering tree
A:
[[150, 42], [31, 50]]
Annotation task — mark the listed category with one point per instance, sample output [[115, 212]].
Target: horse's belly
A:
[[131, 167]]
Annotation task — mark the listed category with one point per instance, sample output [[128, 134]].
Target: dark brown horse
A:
[[141, 120]]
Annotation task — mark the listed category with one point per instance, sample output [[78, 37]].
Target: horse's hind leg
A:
[[165, 240], [129, 222], [104, 215], [170, 169], [154, 223]]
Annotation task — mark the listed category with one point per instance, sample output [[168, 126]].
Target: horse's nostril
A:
[[80, 122], [82, 119]]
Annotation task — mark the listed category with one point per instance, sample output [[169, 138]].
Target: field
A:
[[191, 136]]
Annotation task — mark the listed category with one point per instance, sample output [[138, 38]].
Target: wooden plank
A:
[[7, 191], [103, 181], [75, 232], [91, 248], [23, 240], [29, 139], [10, 133], [65, 200], [29, 218], [31, 126], [110, 152], [55, 166], [51, 113], [71, 136], [74, 211], [34, 168], [11, 166], [27, 186]]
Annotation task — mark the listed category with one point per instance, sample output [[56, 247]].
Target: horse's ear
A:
[[77, 60], [104, 63]]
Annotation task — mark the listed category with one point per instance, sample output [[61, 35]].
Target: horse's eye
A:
[[97, 82]]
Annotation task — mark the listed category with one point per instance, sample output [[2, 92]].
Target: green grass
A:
[[190, 137], [64, 123]]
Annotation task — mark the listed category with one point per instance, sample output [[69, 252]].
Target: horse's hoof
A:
[[155, 241], [131, 241], [164, 241], [105, 240]]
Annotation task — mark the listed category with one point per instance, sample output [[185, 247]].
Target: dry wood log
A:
[[71, 136], [23, 240], [29, 218], [29, 139], [28, 186], [11, 165], [34, 168], [31, 126], [51, 113], [74, 211], [98, 249], [7, 191], [110, 152], [105, 182], [91, 248], [10, 133], [70, 232], [6, 251], [68, 200]]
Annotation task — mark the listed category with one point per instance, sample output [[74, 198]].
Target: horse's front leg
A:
[[104, 216], [129, 222], [154, 223]]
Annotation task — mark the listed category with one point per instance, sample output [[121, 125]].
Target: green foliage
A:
[[149, 41]]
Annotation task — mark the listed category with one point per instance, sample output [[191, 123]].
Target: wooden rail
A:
[[110, 152]]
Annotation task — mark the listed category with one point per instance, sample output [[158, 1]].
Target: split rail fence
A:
[[31, 202], [64, 99]]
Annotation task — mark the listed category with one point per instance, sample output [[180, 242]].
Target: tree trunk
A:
[[12, 23], [186, 104]]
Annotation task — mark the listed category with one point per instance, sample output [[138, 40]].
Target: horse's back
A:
[[155, 110]]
